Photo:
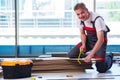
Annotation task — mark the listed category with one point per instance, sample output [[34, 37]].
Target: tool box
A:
[[16, 68]]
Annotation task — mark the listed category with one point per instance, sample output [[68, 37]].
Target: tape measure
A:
[[81, 52], [32, 78], [69, 75]]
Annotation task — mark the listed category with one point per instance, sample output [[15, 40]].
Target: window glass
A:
[[48, 22], [7, 23], [7, 28], [110, 10]]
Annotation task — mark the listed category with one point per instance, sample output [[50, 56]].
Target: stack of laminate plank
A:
[[59, 64]]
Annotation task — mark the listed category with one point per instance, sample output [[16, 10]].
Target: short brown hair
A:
[[79, 6]]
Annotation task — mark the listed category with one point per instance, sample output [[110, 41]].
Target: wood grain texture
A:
[[59, 64]]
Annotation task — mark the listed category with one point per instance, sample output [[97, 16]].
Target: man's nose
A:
[[79, 16]]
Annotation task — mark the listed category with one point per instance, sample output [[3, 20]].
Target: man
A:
[[93, 37]]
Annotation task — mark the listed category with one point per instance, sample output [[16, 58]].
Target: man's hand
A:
[[83, 48], [88, 58]]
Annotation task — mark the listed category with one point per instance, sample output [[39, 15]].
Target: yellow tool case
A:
[[16, 68]]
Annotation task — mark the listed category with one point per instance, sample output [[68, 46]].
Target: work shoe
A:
[[111, 55], [111, 60]]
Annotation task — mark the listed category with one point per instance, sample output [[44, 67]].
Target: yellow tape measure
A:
[[81, 52], [32, 78]]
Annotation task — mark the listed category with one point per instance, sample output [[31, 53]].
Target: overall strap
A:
[[93, 22], [82, 22]]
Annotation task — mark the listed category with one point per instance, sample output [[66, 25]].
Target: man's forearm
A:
[[83, 39], [99, 43], [96, 47]]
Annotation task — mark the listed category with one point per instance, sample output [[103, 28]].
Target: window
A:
[[110, 10], [7, 28], [47, 22], [7, 22]]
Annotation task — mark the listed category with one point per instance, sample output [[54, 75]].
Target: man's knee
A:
[[71, 55], [101, 66], [73, 52]]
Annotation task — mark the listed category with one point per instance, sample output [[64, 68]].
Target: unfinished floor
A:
[[88, 74]]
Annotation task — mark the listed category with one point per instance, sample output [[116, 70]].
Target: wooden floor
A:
[[89, 74], [59, 64]]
